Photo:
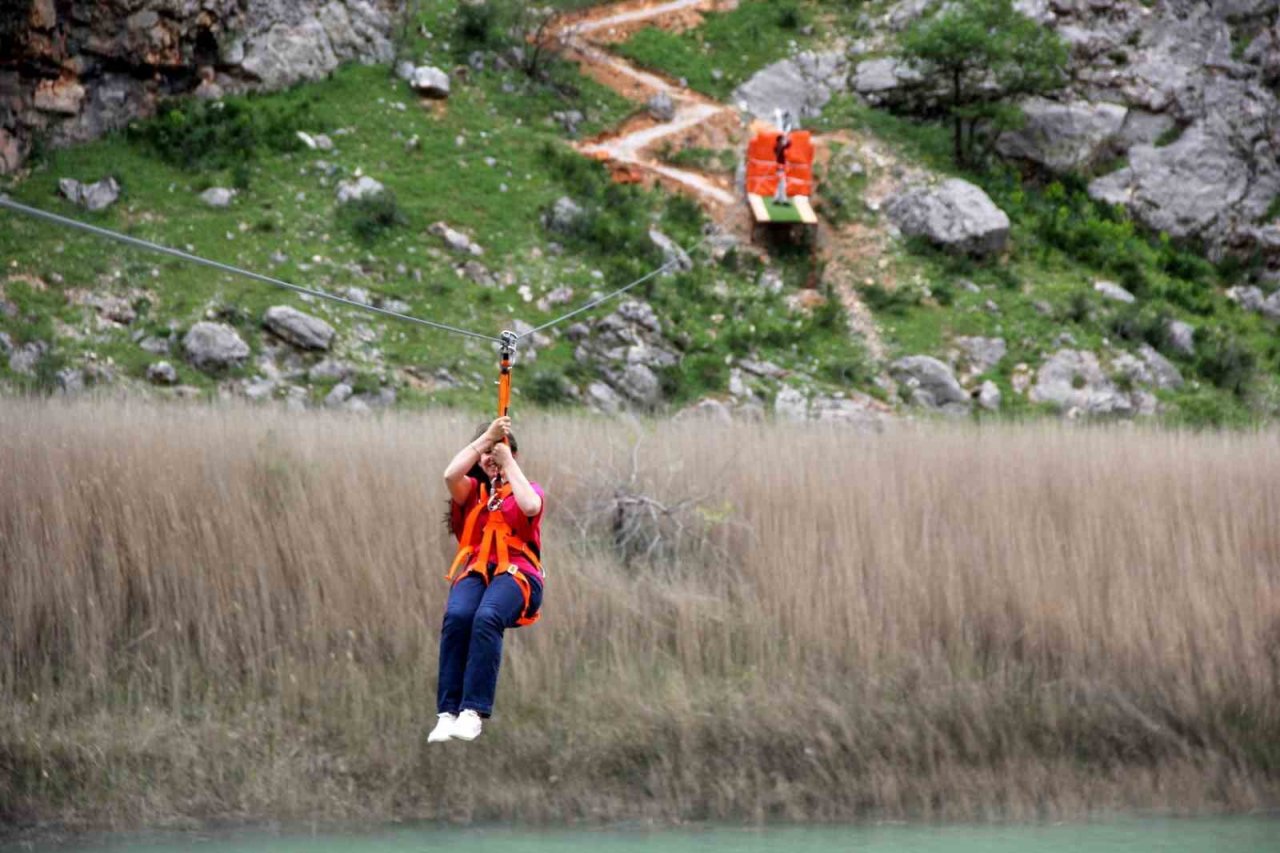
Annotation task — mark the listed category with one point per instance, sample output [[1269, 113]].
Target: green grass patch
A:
[[728, 48]]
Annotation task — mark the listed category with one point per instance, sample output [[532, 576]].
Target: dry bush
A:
[[232, 612]]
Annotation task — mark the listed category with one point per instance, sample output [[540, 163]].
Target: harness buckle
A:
[[495, 502]]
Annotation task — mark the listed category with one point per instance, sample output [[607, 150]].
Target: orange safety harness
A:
[[478, 541]]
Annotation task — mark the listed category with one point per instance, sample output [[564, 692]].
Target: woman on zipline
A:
[[496, 514]]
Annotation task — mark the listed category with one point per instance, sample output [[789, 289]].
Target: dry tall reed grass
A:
[[233, 613]]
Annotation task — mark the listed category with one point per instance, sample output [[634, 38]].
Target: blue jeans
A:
[[471, 640]]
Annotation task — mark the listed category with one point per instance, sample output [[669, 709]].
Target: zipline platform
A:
[[797, 210]]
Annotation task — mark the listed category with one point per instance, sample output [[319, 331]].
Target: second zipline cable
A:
[[218, 265]]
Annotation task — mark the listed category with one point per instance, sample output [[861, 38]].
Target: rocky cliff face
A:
[[70, 71], [1185, 91]]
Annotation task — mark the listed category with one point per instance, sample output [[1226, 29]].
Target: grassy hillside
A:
[[490, 162], [1009, 622]]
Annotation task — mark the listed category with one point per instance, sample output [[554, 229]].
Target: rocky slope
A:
[[71, 71], [1182, 92]]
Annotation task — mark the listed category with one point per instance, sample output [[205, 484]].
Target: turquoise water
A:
[[1220, 835]]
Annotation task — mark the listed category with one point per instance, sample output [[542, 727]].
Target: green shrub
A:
[[1205, 409], [43, 379], [884, 301], [683, 214], [1145, 324], [204, 135], [847, 371], [1225, 360], [1182, 263], [477, 26], [241, 175], [1194, 297], [789, 16], [1169, 137], [1079, 308], [829, 316], [370, 217], [546, 388], [702, 372]]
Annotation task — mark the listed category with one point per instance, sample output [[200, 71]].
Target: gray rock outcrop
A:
[[299, 329], [1137, 72], [218, 196], [707, 409], [1181, 337], [1073, 382], [674, 258], [878, 79], [1114, 292], [214, 346], [628, 349], [565, 217], [1253, 300], [801, 85], [96, 196], [23, 359], [455, 240], [929, 383], [981, 354], [430, 82], [1064, 137], [955, 215], [1163, 374], [162, 373], [989, 396], [359, 189], [661, 107], [853, 409]]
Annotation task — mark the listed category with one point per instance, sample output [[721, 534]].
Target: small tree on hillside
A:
[[501, 25], [980, 55]]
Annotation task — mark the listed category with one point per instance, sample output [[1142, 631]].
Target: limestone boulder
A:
[[661, 107], [299, 329], [162, 373], [1074, 383], [363, 187], [565, 217], [674, 258], [928, 382], [1064, 137], [801, 85], [1181, 337], [96, 196], [430, 82], [955, 215], [214, 346], [218, 196], [1114, 292]]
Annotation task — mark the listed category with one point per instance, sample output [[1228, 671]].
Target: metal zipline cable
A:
[[187, 256], [594, 302], [507, 339]]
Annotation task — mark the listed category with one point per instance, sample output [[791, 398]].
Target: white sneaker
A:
[[443, 730], [467, 726]]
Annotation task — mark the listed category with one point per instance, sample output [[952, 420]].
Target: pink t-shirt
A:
[[527, 528]]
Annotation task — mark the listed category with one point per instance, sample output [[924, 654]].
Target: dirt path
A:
[[631, 151], [850, 254]]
